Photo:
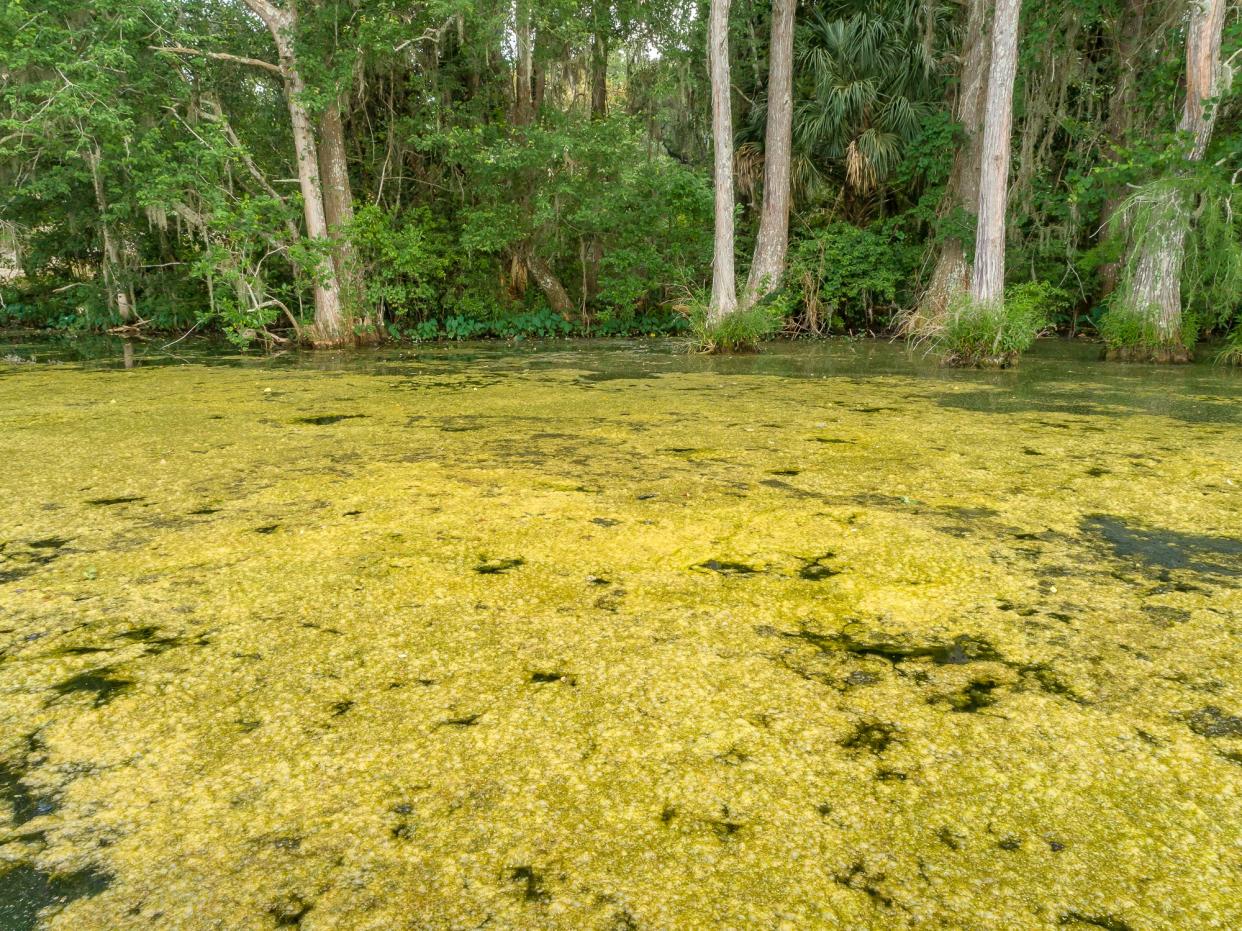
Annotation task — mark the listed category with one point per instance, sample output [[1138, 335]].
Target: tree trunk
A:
[[331, 327], [523, 102], [553, 290], [599, 71], [987, 284], [118, 293], [773, 241], [951, 275], [1129, 40], [1154, 286], [338, 209], [724, 287]]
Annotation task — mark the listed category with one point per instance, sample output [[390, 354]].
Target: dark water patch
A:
[[49, 543], [531, 880], [498, 566], [1165, 615], [789, 489], [324, 420], [469, 720], [80, 651], [951, 839], [1045, 678], [288, 911], [814, 570], [150, 637], [108, 502], [101, 682], [833, 440], [969, 512], [724, 567], [1167, 549], [1211, 721], [785, 472], [874, 736], [25, 804], [1097, 471], [605, 521], [959, 651], [725, 827], [541, 678], [974, 696], [1103, 920], [858, 879], [859, 678], [26, 891]]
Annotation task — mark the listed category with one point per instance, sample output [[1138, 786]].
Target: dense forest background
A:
[[464, 168]]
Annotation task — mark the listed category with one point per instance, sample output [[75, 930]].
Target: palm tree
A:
[[868, 78]]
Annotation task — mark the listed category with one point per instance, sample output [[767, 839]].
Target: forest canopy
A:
[[343, 171]]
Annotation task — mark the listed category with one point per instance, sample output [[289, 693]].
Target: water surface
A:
[[605, 636]]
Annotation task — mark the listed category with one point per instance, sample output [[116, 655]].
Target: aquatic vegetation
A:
[[547, 672]]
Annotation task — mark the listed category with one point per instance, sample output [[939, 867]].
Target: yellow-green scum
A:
[[461, 646]]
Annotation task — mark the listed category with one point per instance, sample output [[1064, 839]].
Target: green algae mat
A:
[[612, 638]]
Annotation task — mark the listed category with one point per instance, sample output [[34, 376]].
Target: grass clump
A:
[[741, 331], [1133, 333], [993, 335]]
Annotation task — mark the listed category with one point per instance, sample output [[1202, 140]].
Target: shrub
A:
[[994, 335], [843, 274], [741, 331]]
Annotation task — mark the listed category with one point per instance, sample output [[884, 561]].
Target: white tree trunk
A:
[[338, 208], [772, 243], [951, 275], [724, 287], [1154, 282], [988, 280], [331, 327]]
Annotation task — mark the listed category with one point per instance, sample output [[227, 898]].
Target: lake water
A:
[[604, 636]]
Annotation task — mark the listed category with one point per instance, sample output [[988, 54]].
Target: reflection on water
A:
[[607, 636]]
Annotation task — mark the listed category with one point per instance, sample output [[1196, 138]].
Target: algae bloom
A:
[[616, 639]]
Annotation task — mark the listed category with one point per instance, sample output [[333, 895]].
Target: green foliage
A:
[[741, 331], [405, 259], [847, 275], [994, 335]]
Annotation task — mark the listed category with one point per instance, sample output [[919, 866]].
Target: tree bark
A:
[[951, 275], [1154, 289], [338, 208], [118, 293], [724, 288], [523, 101], [599, 69], [553, 290], [772, 244], [331, 327], [1129, 39], [987, 284]]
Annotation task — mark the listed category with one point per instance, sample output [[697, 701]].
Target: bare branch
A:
[[219, 56]]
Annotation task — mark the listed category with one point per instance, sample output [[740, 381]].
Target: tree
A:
[[987, 284], [951, 275], [724, 288], [1146, 322], [772, 243], [331, 327]]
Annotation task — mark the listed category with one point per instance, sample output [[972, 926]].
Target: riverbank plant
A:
[[741, 331], [994, 335]]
